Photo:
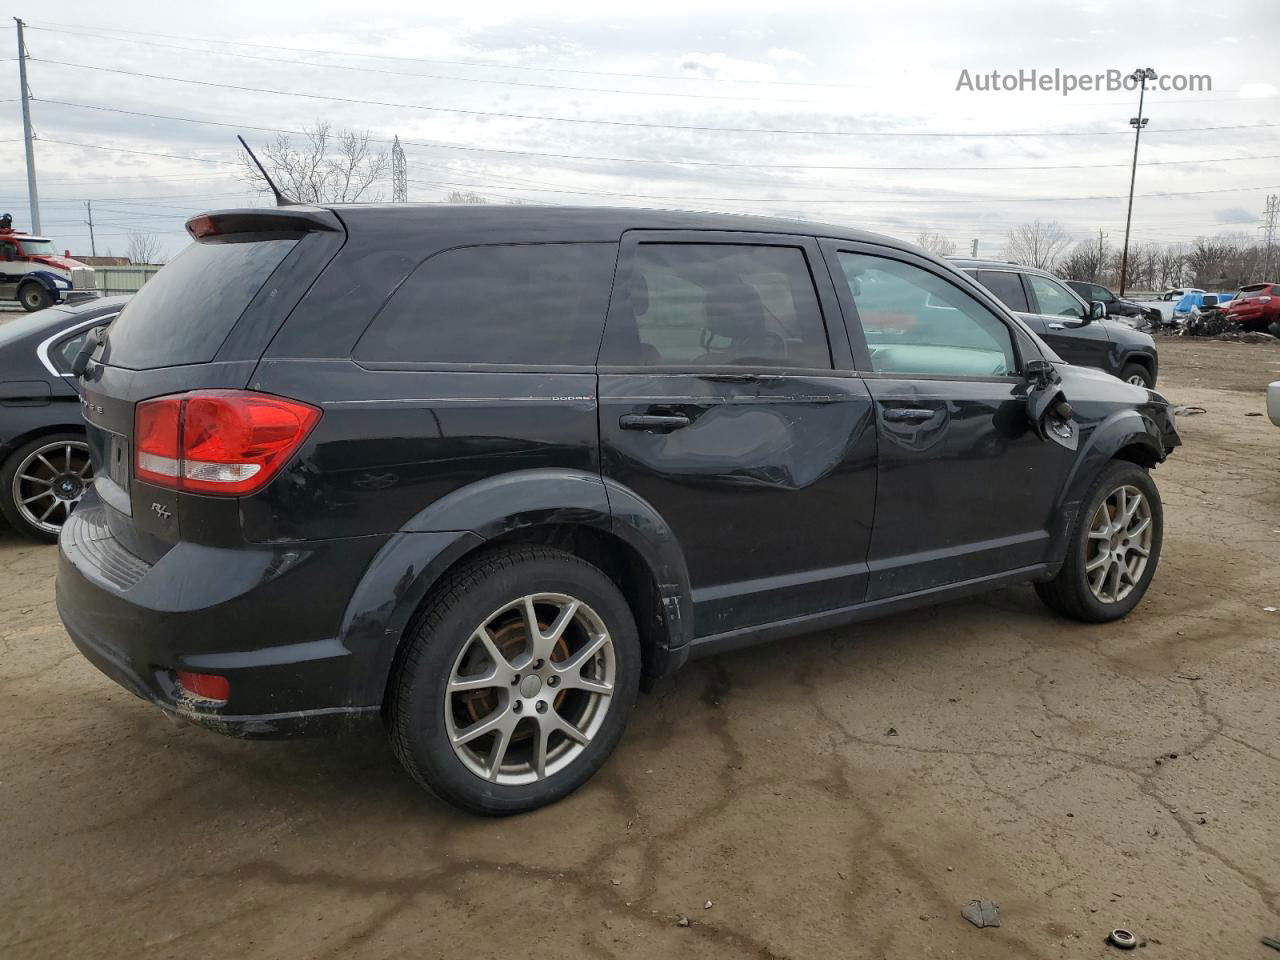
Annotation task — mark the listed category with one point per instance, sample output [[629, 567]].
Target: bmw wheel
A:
[[42, 483], [516, 681], [1114, 548]]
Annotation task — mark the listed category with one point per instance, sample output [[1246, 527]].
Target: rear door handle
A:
[[653, 422], [907, 414]]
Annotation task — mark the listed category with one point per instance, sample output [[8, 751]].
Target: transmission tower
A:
[[399, 174], [1270, 224]]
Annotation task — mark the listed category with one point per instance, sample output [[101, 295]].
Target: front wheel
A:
[[34, 297], [1114, 548], [516, 681], [1136, 374]]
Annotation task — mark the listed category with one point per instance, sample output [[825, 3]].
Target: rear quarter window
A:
[[186, 311], [541, 304]]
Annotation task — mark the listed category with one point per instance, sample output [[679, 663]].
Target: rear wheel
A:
[[1136, 374], [516, 682], [42, 483], [34, 297], [1114, 548]]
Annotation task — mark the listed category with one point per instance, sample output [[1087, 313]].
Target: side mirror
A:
[[1040, 373], [80, 363], [1097, 310]]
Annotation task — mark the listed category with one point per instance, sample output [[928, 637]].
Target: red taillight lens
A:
[[229, 442], [156, 439], [206, 686]]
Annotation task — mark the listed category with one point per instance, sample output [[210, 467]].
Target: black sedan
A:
[[44, 460]]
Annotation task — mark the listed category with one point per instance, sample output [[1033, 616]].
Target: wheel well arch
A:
[[1141, 359], [620, 561], [1140, 453], [35, 433]]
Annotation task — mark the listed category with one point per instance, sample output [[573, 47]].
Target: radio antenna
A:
[[281, 199]]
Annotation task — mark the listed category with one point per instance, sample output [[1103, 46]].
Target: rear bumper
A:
[[266, 617]]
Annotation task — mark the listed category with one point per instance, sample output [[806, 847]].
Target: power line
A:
[[600, 193], [473, 63], [643, 124], [443, 145], [429, 76]]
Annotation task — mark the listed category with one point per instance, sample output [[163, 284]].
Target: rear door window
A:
[[1007, 287], [538, 303], [718, 304], [184, 313]]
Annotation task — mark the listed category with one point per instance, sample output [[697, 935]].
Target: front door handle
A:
[[1057, 326], [907, 414], [653, 422]]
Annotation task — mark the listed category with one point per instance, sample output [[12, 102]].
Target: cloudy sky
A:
[[831, 111]]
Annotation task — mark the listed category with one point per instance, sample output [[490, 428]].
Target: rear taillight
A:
[[229, 442]]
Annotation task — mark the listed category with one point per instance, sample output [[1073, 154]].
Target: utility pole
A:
[[1142, 75], [93, 247], [399, 174], [33, 195], [974, 251], [1102, 254], [1271, 217]]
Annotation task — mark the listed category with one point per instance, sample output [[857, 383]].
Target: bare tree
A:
[[1087, 261], [935, 243], [143, 247], [1171, 264], [326, 167], [465, 196], [1036, 244]]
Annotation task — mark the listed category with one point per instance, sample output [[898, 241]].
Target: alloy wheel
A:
[[1119, 544], [1137, 379], [530, 689], [50, 482]]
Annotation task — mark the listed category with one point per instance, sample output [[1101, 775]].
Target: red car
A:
[[1255, 307]]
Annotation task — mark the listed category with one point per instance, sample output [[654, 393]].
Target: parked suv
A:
[[1097, 293], [1071, 325], [1256, 307], [481, 471]]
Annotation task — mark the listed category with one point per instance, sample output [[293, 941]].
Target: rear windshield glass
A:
[[1252, 289], [185, 313]]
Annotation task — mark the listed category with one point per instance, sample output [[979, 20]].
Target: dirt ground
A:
[[1081, 777]]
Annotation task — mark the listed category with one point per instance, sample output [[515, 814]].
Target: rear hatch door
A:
[[202, 322]]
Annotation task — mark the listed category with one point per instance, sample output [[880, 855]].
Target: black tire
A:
[[441, 634], [10, 492], [1134, 371], [1069, 592], [34, 296]]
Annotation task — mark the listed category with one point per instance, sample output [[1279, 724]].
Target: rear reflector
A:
[[206, 686], [229, 442]]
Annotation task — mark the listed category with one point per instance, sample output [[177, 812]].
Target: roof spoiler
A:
[[282, 221]]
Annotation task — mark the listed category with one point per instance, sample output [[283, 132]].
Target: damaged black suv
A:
[[483, 472]]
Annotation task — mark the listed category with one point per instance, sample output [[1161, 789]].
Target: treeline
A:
[[1217, 263]]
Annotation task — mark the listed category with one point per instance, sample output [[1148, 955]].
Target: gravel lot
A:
[[1082, 777]]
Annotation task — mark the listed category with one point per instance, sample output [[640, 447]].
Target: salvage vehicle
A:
[[1255, 307], [1273, 402], [44, 458], [1075, 329], [33, 273], [484, 471]]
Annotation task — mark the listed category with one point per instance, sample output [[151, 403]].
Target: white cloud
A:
[[1258, 91], [721, 66], [786, 55]]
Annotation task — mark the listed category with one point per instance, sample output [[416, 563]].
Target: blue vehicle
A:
[[1201, 301]]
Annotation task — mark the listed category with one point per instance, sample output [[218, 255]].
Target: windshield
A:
[[38, 248], [1252, 290]]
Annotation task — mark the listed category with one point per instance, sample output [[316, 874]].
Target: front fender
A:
[[1138, 428], [414, 559], [52, 282]]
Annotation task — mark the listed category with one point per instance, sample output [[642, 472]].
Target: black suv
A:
[[483, 471], [1073, 326]]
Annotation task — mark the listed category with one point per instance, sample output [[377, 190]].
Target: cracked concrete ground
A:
[[1082, 777]]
